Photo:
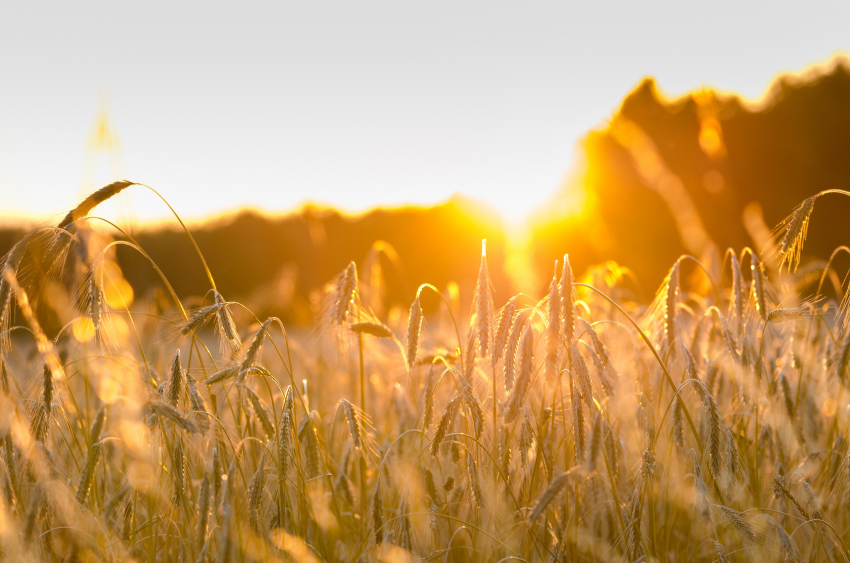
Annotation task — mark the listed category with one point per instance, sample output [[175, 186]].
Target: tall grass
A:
[[706, 426]]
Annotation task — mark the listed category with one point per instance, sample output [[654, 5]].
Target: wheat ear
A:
[[414, 327]]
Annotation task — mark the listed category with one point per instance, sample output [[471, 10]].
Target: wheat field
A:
[[709, 425]]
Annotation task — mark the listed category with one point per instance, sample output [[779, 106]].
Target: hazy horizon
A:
[[379, 104]]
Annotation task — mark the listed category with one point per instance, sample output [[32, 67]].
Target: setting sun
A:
[[397, 282]]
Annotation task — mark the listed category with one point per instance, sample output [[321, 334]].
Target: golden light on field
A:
[[109, 387], [118, 293], [83, 329], [428, 281]]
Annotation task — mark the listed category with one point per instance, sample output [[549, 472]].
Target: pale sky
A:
[[355, 104]]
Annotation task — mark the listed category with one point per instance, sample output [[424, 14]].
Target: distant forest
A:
[[706, 154]]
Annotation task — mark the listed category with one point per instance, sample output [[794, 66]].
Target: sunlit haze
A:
[[356, 104]]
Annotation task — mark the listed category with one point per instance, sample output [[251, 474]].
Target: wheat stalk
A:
[[736, 301], [372, 328], [203, 514], [503, 327], [568, 299], [671, 297], [354, 429], [377, 512], [346, 286], [414, 327], [526, 366], [552, 492], [553, 328], [176, 381], [260, 412], [255, 497], [445, 422], [758, 285], [785, 314], [224, 322], [714, 436], [796, 229], [736, 519], [511, 346]]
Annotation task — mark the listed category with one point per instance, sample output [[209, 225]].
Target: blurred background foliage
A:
[[727, 169]]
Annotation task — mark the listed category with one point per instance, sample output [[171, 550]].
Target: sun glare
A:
[[424, 281]]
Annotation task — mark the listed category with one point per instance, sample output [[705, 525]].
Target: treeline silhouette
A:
[[279, 263], [665, 177], [789, 146]]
